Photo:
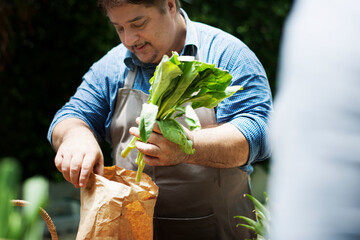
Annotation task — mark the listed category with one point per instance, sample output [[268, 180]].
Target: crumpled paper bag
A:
[[115, 206]]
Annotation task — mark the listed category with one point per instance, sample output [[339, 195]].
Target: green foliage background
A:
[[46, 47]]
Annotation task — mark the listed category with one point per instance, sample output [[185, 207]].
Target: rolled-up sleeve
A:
[[248, 109]]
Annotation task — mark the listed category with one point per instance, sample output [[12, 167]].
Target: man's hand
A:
[[159, 151], [222, 146], [78, 152]]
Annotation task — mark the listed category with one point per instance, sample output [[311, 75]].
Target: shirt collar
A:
[[191, 41], [131, 60], [190, 48]]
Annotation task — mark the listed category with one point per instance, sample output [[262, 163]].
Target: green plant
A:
[[177, 81], [262, 224], [22, 224]]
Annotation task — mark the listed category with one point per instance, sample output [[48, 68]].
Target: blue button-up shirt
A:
[[249, 109]]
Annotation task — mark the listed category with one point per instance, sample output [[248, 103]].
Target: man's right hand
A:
[[78, 152]]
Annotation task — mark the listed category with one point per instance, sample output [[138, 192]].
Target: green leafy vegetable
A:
[[180, 85]]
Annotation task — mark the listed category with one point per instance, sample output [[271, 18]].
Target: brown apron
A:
[[194, 202]]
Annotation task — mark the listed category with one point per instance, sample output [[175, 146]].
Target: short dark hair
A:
[[108, 4]]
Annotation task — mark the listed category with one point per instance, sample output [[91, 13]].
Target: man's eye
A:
[[119, 30], [139, 25]]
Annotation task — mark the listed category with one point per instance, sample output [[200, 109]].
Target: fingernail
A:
[[131, 130]]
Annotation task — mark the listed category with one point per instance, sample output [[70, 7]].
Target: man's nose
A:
[[130, 37]]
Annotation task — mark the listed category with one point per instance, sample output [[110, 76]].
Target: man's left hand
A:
[[159, 151]]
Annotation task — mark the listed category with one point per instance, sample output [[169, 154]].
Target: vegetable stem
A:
[[141, 163], [129, 147]]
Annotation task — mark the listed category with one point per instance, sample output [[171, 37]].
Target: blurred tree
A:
[[47, 46], [257, 23]]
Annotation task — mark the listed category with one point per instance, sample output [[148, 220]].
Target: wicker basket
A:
[[44, 215]]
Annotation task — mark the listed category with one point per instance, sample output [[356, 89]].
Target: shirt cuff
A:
[[64, 116]]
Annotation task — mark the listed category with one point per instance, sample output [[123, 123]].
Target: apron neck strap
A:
[[130, 78]]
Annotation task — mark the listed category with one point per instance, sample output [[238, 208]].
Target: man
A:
[[198, 194]]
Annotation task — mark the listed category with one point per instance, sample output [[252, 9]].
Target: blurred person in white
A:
[[315, 177]]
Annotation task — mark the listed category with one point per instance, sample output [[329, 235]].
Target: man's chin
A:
[[154, 59]]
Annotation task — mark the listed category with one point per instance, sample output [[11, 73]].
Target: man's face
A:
[[145, 31]]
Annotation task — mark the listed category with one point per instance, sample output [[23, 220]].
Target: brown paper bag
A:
[[115, 206]]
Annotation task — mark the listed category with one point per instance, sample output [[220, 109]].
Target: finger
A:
[[156, 126], [99, 168], [86, 168], [135, 132], [75, 168], [148, 148], [152, 161], [157, 139], [58, 161], [65, 167], [99, 165], [157, 129]]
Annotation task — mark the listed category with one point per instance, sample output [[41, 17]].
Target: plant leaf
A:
[[173, 131], [257, 227], [180, 111], [189, 73], [211, 99], [165, 72], [147, 120], [192, 119], [35, 191], [259, 205], [247, 226], [9, 182]]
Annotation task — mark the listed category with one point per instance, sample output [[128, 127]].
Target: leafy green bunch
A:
[[180, 85], [262, 224]]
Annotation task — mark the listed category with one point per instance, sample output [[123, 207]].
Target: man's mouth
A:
[[139, 47]]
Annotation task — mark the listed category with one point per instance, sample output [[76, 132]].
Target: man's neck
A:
[[181, 33]]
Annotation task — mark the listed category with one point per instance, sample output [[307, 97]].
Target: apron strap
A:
[[130, 78]]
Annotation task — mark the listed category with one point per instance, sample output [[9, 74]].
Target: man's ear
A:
[[171, 6]]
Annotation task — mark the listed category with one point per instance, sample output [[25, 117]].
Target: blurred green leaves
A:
[[14, 223], [263, 218]]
